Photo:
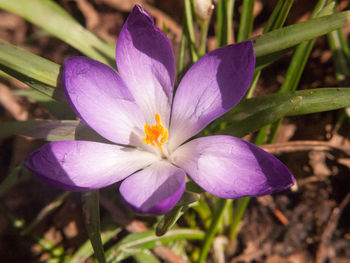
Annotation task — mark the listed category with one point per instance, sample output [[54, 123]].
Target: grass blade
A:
[[147, 240], [290, 36], [246, 21], [252, 114], [56, 21], [91, 211]]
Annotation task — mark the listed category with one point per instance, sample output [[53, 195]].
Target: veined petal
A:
[[230, 167], [146, 64], [99, 97], [83, 165], [210, 88], [154, 190]]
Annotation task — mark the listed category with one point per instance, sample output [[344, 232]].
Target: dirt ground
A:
[[309, 223]]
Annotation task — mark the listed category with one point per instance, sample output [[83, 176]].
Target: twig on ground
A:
[[323, 250], [296, 146], [89, 12]]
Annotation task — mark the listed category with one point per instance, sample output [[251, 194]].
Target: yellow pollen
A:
[[156, 134]]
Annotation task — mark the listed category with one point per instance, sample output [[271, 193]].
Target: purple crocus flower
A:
[[136, 108]]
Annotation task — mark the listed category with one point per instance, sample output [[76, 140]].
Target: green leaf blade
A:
[[56, 21], [290, 36]]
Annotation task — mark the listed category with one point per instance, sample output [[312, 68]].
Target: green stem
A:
[[190, 29], [279, 15], [182, 54], [255, 80], [204, 26], [91, 211], [210, 234], [46, 211], [229, 19], [241, 206], [220, 31], [246, 21]]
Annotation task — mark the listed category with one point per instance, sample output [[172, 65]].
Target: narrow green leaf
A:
[[210, 233], [145, 256], [246, 21], [229, 20], [204, 212], [147, 240], [37, 72], [266, 60], [55, 20], [46, 211], [168, 220], [238, 212], [59, 109], [52, 130], [190, 30], [28, 67], [221, 32], [15, 128], [86, 250], [40, 129], [4, 75], [182, 53], [252, 114], [341, 57], [204, 26], [341, 52], [188, 199], [279, 15], [18, 175], [91, 211], [290, 36]]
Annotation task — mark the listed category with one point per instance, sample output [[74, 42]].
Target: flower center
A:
[[156, 135]]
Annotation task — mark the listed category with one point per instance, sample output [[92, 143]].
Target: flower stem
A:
[[241, 205], [210, 234], [91, 211], [229, 18], [182, 54], [190, 30], [246, 21], [204, 35]]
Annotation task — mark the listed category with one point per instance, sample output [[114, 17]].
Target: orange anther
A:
[[156, 134]]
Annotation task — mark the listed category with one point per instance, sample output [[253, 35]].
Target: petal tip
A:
[[139, 13]]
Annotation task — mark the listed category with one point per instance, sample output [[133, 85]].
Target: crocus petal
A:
[[154, 190], [83, 165], [211, 87], [146, 64], [230, 167], [99, 97]]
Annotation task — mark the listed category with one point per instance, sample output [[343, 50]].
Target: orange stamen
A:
[[156, 135]]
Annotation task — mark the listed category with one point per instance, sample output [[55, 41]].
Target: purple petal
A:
[[230, 167], [83, 165], [211, 87], [146, 64], [154, 190], [99, 97]]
